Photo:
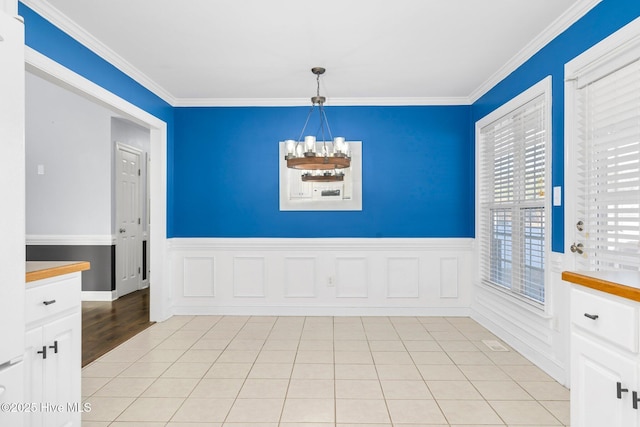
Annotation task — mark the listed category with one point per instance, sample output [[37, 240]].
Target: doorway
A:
[[128, 220], [38, 64]]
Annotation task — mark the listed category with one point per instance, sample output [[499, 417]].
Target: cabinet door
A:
[[63, 369], [595, 372], [12, 392], [33, 375]]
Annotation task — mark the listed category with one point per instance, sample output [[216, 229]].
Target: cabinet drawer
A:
[[51, 297], [616, 322]]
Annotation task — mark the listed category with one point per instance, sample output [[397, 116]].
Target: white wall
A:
[[70, 137]]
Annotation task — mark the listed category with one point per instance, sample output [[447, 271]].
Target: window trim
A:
[[543, 88]]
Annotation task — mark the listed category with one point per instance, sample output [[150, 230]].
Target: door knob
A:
[[577, 248], [122, 230], [580, 225]]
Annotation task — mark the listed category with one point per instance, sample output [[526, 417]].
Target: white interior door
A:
[[128, 220]]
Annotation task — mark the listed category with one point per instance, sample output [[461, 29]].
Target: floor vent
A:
[[494, 345]]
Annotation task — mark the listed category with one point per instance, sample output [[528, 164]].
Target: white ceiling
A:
[[259, 52]]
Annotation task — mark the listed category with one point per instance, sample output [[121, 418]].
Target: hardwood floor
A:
[[105, 325]]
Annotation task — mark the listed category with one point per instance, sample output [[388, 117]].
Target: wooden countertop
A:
[[625, 284], [37, 270]]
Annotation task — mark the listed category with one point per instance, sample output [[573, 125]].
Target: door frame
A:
[[119, 146], [160, 293], [614, 48]]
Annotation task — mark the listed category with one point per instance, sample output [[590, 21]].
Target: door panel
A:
[[128, 221], [62, 376], [594, 377]]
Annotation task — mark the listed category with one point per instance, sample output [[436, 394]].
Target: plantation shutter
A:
[[608, 164], [512, 200]]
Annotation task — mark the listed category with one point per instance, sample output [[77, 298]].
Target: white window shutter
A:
[[512, 173], [608, 161]]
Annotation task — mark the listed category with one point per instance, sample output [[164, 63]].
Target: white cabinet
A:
[[11, 392], [53, 351], [604, 360]]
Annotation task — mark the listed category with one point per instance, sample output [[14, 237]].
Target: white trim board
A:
[[70, 240], [304, 102], [106, 296], [323, 311]]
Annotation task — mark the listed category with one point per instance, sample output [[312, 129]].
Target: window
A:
[[608, 156], [513, 176]]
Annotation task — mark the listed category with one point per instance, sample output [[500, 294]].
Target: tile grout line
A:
[[295, 357], [350, 335]]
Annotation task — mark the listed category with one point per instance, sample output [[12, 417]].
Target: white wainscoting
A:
[[541, 336], [417, 277]]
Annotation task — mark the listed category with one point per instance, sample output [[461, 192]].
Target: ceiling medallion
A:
[[322, 160]]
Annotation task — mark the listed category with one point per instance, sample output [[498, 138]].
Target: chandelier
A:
[[320, 160]]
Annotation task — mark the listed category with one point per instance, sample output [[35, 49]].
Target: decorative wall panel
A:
[[448, 277], [300, 277], [199, 273], [351, 278], [403, 277], [248, 277]]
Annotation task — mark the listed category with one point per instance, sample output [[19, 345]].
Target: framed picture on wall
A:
[[303, 190]]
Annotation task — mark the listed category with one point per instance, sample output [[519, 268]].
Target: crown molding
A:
[[557, 27], [70, 27], [298, 102], [47, 11]]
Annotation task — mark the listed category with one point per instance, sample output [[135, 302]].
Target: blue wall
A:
[[50, 41], [47, 39], [417, 179], [600, 22], [418, 162]]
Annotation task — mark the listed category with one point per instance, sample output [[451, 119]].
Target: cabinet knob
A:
[[49, 302], [620, 390], [54, 346], [591, 316], [634, 399]]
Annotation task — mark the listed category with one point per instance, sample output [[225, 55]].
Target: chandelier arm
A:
[[326, 120], [305, 125], [322, 123]]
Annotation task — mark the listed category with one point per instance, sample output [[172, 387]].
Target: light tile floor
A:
[[241, 371]]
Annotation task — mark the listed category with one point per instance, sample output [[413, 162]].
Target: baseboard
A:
[[544, 361], [322, 311], [99, 296]]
